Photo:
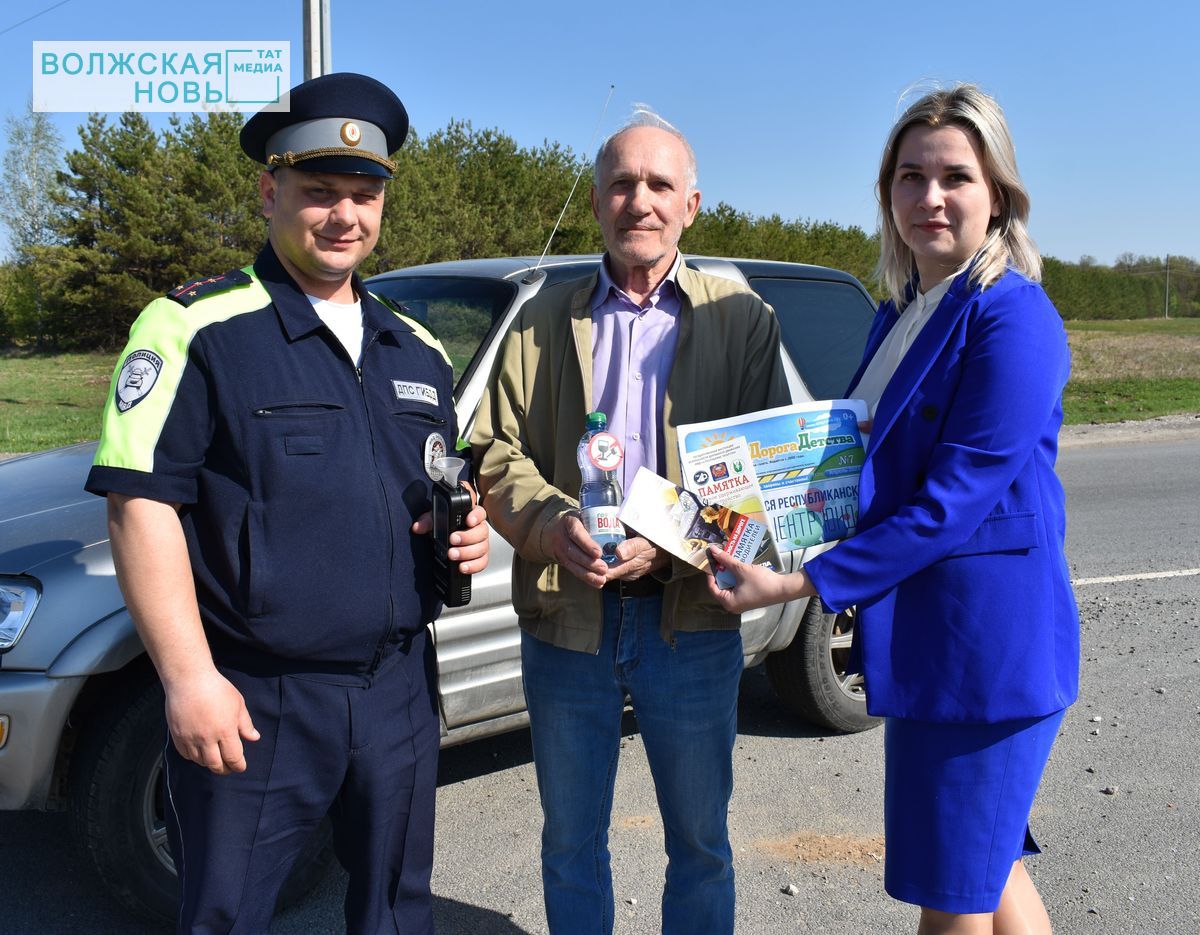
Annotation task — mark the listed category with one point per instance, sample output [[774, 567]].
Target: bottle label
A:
[[603, 522], [604, 451]]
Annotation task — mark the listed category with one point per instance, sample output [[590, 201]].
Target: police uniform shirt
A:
[[300, 474]]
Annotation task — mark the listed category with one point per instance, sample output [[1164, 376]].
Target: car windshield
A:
[[459, 310]]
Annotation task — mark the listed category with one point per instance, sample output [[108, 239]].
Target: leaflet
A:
[[724, 475], [807, 458], [675, 519]]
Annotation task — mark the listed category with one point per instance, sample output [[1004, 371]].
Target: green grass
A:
[[48, 400], [1132, 369], [1121, 370], [1168, 326], [1118, 400]]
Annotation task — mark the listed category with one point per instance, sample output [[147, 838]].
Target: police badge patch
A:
[[435, 448], [137, 378]]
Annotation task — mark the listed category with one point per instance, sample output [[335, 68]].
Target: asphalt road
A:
[[1117, 814]]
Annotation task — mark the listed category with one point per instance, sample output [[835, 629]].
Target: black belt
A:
[[646, 586]]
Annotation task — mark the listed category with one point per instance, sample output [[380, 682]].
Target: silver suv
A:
[[81, 721]]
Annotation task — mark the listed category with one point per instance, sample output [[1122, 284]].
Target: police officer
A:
[[265, 456]]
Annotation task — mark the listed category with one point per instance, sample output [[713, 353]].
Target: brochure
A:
[[807, 458], [723, 475], [675, 519]]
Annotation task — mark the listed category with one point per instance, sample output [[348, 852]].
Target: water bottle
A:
[[599, 455]]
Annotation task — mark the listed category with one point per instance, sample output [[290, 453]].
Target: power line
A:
[[35, 16]]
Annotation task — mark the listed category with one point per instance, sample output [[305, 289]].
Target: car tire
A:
[[117, 808], [809, 676]]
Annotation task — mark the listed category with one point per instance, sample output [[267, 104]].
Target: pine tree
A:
[[214, 209], [117, 239]]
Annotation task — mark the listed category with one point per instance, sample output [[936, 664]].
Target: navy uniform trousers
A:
[[362, 749]]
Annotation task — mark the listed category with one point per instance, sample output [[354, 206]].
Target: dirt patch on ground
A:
[[810, 847], [1097, 355], [637, 821]]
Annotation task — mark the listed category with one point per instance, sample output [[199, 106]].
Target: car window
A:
[[825, 326], [459, 310]]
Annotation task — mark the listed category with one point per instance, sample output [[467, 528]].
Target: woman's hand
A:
[[754, 586]]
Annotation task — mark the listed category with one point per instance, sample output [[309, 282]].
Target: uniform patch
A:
[[415, 392], [137, 378], [435, 448]]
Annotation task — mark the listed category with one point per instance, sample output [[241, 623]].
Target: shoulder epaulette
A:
[[196, 289]]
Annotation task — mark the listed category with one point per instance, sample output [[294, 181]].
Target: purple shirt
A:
[[633, 349]]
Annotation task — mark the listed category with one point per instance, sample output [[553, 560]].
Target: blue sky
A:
[[786, 103]]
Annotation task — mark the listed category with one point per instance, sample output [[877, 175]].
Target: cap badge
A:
[[351, 134]]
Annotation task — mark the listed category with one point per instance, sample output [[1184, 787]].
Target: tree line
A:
[[1133, 287], [98, 231]]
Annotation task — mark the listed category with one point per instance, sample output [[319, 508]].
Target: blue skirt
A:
[[956, 807]]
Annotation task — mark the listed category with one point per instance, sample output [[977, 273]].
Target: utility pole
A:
[[1167, 291], [318, 47]]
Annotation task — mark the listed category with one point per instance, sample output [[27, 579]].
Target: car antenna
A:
[[536, 273]]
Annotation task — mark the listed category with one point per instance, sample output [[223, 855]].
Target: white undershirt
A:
[[887, 358], [345, 321]]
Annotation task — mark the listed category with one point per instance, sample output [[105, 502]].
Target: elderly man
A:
[[653, 344], [266, 462]]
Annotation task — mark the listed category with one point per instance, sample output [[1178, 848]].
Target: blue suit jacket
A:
[[965, 610]]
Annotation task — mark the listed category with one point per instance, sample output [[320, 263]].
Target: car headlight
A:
[[18, 599]]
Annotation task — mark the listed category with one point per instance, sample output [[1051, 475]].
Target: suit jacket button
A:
[[929, 413]]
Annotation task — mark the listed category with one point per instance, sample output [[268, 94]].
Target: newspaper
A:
[[807, 458], [675, 519]]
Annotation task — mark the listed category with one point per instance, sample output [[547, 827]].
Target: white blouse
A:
[[912, 319]]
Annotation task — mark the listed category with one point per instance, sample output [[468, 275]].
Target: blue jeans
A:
[[685, 697]]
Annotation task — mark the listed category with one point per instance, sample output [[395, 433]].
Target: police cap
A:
[[343, 123]]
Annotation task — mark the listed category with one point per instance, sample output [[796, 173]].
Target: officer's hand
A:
[[636, 557], [470, 545], [208, 720], [576, 551]]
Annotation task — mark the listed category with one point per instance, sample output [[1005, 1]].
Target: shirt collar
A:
[[606, 287], [296, 312], [930, 299]]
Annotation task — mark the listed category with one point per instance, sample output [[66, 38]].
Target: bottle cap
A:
[[596, 420]]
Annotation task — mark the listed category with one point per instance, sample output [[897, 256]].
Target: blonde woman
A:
[[967, 631]]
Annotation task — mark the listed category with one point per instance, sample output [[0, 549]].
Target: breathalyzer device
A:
[[451, 504]]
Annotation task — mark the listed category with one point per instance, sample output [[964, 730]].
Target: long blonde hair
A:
[[1008, 243]]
